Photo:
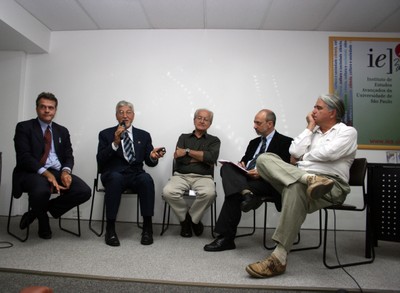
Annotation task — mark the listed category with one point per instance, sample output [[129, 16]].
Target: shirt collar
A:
[[44, 125], [204, 134]]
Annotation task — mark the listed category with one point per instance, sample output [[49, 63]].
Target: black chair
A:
[[357, 178], [253, 228], [24, 238], [270, 199], [98, 188], [189, 194]]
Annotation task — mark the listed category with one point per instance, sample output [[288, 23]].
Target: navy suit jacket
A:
[[109, 160], [278, 145], [29, 146]]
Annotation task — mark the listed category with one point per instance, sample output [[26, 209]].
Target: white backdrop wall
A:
[[167, 75]]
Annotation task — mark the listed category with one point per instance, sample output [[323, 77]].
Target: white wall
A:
[[167, 75], [12, 79]]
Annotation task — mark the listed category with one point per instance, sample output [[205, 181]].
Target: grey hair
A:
[[334, 103], [122, 104], [203, 109], [269, 115]]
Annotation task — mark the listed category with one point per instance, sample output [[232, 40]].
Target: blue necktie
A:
[[128, 148], [252, 163]]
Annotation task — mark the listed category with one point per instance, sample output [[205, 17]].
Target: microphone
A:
[[123, 134]]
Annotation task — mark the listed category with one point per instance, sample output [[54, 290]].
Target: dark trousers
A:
[[116, 183], [39, 191], [233, 182]]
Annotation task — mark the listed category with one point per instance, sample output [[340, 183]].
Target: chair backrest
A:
[[357, 172]]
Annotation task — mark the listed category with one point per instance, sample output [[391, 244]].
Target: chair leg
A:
[[253, 230], [22, 239], [341, 265], [165, 225], [319, 240], [213, 212], [91, 215], [79, 224], [265, 228]]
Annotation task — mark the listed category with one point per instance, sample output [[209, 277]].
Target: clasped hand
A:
[[66, 180]]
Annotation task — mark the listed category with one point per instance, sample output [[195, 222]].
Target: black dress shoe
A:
[[250, 202], [220, 244], [26, 220], [147, 238], [112, 238], [198, 228], [186, 229], [45, 234]]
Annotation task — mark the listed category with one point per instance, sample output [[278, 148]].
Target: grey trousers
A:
[[296, 204], [204, 187]]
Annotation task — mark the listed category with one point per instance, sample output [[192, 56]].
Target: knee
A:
[[145, 178], [168, 192], [87, 192], [113, 178], [208, 193], [263, 160]]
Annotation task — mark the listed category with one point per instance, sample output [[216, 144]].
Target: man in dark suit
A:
[[121, 152], [44, 165], [244, 190]]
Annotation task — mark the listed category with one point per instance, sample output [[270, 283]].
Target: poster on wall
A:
[[365, 73]]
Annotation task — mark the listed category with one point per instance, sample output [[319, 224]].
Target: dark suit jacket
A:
[[109, 160], [279, 145], [29, 147]]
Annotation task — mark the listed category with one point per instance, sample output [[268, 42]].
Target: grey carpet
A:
[[173, 260]]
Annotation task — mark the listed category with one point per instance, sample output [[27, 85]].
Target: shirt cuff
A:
[[114, 147]]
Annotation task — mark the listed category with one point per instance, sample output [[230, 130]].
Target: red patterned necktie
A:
[[47, 145]]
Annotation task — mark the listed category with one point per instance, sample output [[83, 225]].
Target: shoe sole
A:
[[217, 250], [254, 274], [252, 205], [319, 191]]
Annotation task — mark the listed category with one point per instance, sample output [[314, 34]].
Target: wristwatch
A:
[[187, 151]]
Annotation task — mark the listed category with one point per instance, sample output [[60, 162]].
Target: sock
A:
[[280, 253], [147, 224], [245, 191], [110, 225], [304, 178]]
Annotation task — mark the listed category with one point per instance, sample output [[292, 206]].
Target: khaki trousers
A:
[[296, 204], [204, 187]]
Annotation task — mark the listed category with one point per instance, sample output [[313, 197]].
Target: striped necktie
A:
[[252, 163], [128, 148]]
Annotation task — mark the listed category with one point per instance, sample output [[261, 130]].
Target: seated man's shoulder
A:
[[212, 137]]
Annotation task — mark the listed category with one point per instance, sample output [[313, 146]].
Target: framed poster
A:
[[365, 73]]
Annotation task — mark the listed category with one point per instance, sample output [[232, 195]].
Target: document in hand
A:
[[234, 164]]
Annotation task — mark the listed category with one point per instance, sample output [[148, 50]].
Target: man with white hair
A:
[[323, 153]]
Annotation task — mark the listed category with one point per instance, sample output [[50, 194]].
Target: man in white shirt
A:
[[323, 153]]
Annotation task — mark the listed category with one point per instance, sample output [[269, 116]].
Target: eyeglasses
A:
[[205, 119], [127, 113]]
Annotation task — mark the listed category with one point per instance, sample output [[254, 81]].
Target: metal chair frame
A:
[[97, 189], [267, 200], [24, 238], [167, 208], [357, 178], [167, 212]]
